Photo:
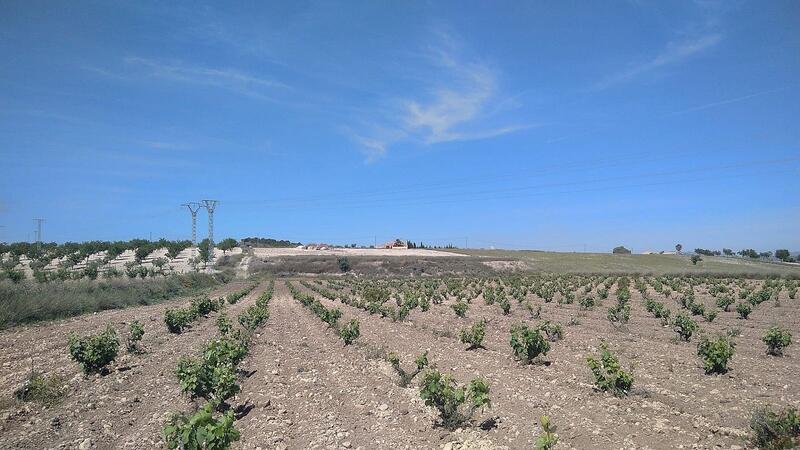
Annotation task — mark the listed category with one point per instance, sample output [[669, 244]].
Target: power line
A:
[[521, 191], [425, 187]]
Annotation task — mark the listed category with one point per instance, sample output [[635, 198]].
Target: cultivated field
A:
[[300, 386]]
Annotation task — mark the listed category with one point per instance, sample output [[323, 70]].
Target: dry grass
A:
[[31, 302]]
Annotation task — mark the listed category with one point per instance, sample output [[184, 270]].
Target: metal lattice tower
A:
[[210, 206], [39, 233], [193, 208]]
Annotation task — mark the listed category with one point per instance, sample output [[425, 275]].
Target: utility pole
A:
[[210, 206], [39, 233], [193, 208], [466, 242]]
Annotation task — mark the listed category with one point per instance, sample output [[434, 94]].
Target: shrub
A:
[[724, 302], [696, 259], [178, 319], [344, 264], [710, 316], [224, 324], [777, 339], [201, 431], [253, 317], [406, 377], [95, 352], [586, 303], [504, 305], [350, 332], [443, 393], [46, 390], [658, 310], [203, 305], [330, 316], [716, 354], [533, 312], [608, 375], [744, 310], [549, 438], [775, 430], [619, 314], [135, 335], [528, 343], [697, 309], [474, 336], [553, 330], [684, 326], [213, 377], [460, 308]]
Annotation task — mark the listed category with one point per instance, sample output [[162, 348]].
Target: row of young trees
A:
[[781, 254], [72, 254]]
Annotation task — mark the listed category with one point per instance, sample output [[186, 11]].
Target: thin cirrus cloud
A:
[[673, 54], [462, 97], [228, 79]]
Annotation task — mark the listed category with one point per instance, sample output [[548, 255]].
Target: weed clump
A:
[[42, 389], [777, 339], [455, 404], [716, 353], [406, 377], [94, 352], [474, 335], [135, 335], [528, 343], [608, 374], [350, 332], [201, 430], [775, 430]]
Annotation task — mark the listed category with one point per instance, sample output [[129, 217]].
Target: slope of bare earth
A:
[[124, 409], [674, 403], [310, 391]]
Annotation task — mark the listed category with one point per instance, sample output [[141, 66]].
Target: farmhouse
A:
[[396, 244]]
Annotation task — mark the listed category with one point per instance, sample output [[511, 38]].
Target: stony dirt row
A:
[[308, 390]]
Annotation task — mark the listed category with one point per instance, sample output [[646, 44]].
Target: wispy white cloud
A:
[[162, 145], [229, 79], [674, 53], [451, 109], [726, 101]]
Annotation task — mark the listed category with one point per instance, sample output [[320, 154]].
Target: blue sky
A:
[[550, 125]]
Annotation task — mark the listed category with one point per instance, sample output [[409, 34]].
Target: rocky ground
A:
[[310, 391]]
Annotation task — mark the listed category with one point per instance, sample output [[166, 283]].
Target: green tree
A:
[[227, 244], [782, 254], [204, 248]]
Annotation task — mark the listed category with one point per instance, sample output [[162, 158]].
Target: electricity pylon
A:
[[193, 208], [210, 206], [39, 233]]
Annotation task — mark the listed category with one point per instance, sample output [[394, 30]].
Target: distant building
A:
[[396, 244]]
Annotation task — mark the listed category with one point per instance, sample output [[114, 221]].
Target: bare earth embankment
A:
[[310, 391]]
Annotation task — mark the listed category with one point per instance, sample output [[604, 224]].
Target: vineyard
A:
[[513, 361]]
